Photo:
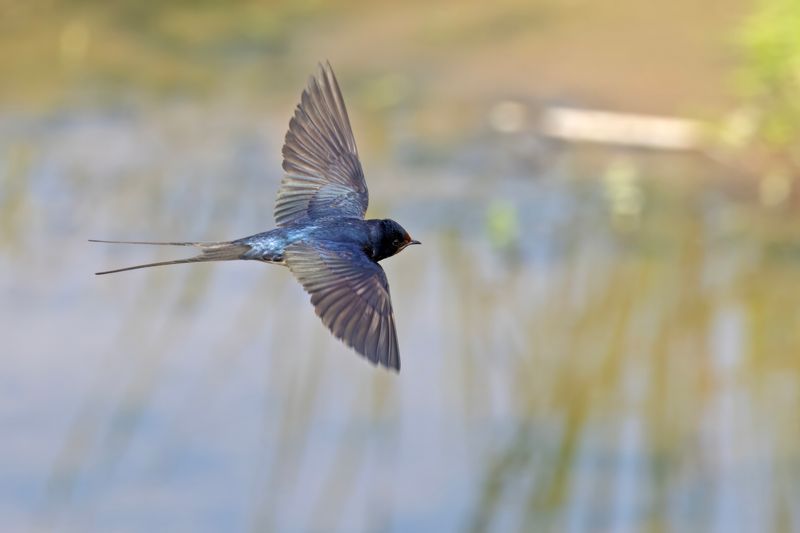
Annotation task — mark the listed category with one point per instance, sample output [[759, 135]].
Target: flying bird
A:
[[321, 233]]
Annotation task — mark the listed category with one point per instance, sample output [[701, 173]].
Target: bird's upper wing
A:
[[324, 176], [350, 294]]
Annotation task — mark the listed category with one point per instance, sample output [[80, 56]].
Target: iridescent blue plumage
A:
[[321, 235], [378, 239]]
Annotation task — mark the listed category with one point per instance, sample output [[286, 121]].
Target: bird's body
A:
[[366, 235], [322, 236]]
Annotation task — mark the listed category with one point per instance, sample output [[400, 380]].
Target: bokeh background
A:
[[596, 336]]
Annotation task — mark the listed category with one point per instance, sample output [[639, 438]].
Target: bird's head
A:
[[389, 239]]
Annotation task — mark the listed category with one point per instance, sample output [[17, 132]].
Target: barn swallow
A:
[[321, 233]]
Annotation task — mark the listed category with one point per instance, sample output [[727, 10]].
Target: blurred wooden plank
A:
[[650, 131]]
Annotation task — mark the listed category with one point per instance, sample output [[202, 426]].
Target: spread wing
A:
[[350, 294], [324, 176]]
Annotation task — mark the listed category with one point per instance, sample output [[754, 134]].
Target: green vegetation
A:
[[770, 77], [49, 49]]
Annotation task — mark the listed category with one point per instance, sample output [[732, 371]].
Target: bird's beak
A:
[[413, 242]]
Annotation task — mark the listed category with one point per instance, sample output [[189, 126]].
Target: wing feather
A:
[[323, 173], [350, 293]]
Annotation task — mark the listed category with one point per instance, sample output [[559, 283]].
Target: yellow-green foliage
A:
[[771, 75]]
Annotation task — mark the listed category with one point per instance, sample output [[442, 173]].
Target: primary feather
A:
[[324, 177]]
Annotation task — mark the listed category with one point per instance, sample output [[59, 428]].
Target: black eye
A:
[[395, 242]]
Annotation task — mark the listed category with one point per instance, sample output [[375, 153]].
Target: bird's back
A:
[[342, 231]]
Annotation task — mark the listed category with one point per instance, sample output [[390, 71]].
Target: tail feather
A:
[[209, 251], [159, 243]]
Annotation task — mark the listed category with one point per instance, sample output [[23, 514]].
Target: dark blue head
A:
[[387, 237]]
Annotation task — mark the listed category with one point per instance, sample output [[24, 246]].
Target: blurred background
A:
[[600, 332]]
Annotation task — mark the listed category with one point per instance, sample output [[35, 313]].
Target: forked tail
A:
[[209, 251]]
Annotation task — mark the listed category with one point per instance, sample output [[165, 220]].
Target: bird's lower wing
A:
[[350, 293]]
